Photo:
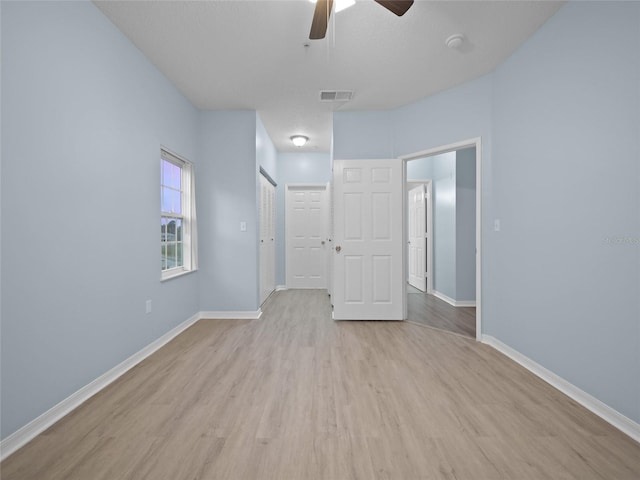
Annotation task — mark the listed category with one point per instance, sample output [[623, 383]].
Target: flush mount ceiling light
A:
[[454, 41], [299, 140], [340, 4], [323, 8]]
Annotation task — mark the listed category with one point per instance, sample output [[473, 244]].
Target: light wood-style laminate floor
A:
[[295, 395], [429, 310]]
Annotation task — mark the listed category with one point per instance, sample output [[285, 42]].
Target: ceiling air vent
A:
[[336, 95]]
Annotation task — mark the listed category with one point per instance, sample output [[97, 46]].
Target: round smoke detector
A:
[[454, 41]]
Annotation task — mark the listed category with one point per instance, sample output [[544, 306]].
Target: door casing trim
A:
[[472, 142]]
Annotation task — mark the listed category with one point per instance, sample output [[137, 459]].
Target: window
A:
[[177, 217]]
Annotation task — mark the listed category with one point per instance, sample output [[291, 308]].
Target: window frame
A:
[[187, 216]]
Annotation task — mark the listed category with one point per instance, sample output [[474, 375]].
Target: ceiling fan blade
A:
[[320, 19], [399, 7]]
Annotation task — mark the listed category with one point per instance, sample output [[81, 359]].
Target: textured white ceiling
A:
[[251, 54]]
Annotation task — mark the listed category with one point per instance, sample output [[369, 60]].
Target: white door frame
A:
[[326, 227], [428, 186], [473, 142]]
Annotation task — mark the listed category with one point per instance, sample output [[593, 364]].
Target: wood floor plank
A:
[[295, 395], [429, 310]]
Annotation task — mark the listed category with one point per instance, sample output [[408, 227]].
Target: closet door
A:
[[417, 245], [267, 238], [306, 236]]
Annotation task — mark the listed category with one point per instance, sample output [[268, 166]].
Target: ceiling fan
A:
[[324, 7]]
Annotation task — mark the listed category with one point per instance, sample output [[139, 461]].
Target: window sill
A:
[[171, 274]]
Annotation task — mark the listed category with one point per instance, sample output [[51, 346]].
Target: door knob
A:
[[338, 248], [322, 242]]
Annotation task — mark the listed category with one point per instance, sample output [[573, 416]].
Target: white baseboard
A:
[[240, 315], [451, 301], [465, 303], [373, 318], [604, 411], [280, 288], [27, 433]]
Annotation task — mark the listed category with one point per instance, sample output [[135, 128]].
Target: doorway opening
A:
[[451, 299]]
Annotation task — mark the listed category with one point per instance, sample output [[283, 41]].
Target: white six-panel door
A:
[[368, 246], [417, 238], [267, 238], [306, 236]]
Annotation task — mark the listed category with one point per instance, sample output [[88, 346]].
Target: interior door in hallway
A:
[[306, 236], [267, 238], [417, 246], [368, 240]]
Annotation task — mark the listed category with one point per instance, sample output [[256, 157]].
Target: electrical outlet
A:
[[496, 225], [243, 226], [148, 306]]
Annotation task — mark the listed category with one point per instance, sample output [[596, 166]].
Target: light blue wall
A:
[[295, 168], [266, 153], [362, 135], [466, 224], [560, 124], [420, 169], [458, 114], [227, 192], [442, 171], [83, 117], [444, 223], [566, 160]]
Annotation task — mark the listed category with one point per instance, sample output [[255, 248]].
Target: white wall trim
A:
[[28, 432], [451, 301], [604, 411], [465, 303], [239, 315], [38, 425], [280, 288], [382, 318], [444, 297]]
